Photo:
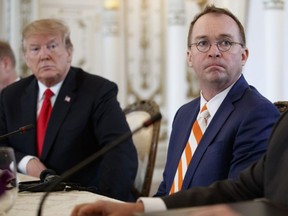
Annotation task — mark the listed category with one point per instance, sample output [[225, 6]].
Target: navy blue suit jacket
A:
[[266, 178], [86, 116], [236, 137]]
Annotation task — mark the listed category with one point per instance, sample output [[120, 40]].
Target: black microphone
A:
[[21, 130], [48, 175], [95, 156]]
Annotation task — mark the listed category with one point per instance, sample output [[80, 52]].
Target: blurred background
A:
[[141, 45]]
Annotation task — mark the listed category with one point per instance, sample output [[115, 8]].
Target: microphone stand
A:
[[95, 156], [21, 130]]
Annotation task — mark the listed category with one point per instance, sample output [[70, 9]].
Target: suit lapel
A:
[[29, 107], [63, 103], [180, 136], [219, 119]]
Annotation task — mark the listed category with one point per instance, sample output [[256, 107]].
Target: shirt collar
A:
[[55, 89], [216, 101]]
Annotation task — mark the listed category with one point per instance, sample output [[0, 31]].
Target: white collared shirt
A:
[[42, 88], [214, 103]]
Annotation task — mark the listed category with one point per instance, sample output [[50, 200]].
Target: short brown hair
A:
[[6, 51], [47, 26], [213, 9]]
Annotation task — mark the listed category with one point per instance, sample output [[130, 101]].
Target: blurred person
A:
[[8, 72], [82, 111]]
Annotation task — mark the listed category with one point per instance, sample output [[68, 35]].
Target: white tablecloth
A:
[[56, 204]]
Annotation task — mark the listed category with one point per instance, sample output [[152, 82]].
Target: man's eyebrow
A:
[[52, 40], [225, 36], [200, 37]]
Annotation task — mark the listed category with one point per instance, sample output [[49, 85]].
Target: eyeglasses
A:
[[223, 45]]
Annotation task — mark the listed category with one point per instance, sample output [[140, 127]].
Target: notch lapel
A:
[[60, 110], [179, 137], [219, 119], [207, 139], [29, 107]]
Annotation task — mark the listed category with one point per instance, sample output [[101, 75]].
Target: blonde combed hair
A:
[[47, 27]]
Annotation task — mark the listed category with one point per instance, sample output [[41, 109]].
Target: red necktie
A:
[[43, 119], [197, 132]]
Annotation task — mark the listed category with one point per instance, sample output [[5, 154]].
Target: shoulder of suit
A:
[[89, 79]]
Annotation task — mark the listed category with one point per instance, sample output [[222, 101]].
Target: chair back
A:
[[145, 141]]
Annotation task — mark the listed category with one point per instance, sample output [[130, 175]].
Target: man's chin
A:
[[216, 76], [48, 80]]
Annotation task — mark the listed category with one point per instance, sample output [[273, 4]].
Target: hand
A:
[[107, 208], [35, 167]]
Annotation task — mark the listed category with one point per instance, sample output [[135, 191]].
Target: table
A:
[[56, 204]]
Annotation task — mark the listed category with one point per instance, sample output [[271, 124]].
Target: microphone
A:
[[95, 156], [21, 130], [48, 175]]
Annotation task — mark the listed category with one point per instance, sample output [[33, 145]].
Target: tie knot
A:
[[204, 113], [48, 93], [203, 108]]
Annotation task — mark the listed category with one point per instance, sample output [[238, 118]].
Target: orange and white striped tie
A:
[[197, 132]]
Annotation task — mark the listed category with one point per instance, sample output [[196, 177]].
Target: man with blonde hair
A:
[[75, 115]]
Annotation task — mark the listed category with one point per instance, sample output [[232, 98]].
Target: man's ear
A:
[[6, 61], [245, 55], [70, 53], [189, 59]]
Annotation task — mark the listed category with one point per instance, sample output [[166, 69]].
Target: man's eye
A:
[[52, 46], [225, 43], [34, 49], [203, 43]]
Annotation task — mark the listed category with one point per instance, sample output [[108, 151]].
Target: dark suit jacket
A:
[[267, 178], [86, 116], [235, 138]]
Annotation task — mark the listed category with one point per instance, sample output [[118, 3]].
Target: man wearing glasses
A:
[[239, 120], [236, 129]]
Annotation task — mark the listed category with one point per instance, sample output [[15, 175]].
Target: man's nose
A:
[[214, 50], [44, 53]]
